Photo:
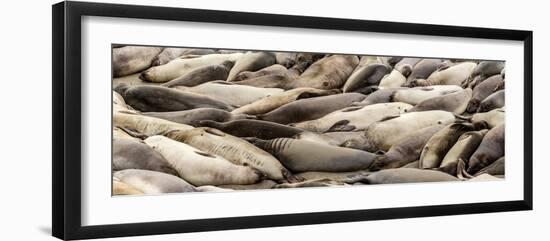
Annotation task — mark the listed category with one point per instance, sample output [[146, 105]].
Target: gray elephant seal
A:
[[232, 94], [146, 125], [408, 175], [253, 128], [484, 70], [440, 143], [453, 75], [200, 168], [379, 96], [148, 98], [492, 118], [192, 117], [464, 147], [132, 154], [416, 95], [406, 65], [483, 90], [406, 150], [328, 73], [150, 182], [371, 75], [392, 80], [455, 102], [275, 69], [132, 59], [490, 149], [286, 59], [251, 61], [282, 80], [423, 69], [301, 156], [493, 101], [329, 138], [312, 108], [169, 54], [234, 149], [202, 75], [496, 168]]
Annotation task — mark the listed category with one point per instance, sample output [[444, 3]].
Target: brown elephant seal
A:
[[408, 175], [406, 65], [277, 100], [253, 128], [200, 168], [233, 149], [416, 95], [302, 156], [202, 75], [286, 59], [311, 108], [251, 61], [440, 143], [490, 150], [407, 150], [453, 75], [264, 184], [380, 136], [492, 118], [182, 65], [464, 147], [275, 69], [483, 90], [370, 76], [493, 101], [423, 69], [328, 73], [132, 154], [121, 188], [192, 117], [354, 118], [455, 102], [151, 182], [132, 59], [146, 125], [484, 70], [392, 80], [148, 98], [496, 168], [232, 94]]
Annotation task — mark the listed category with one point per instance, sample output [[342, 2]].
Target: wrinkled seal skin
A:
[[232, 94], [233, 149], [423, 69], [311, 108], [200, 168], [202, 75], [408, 175], [251, 61], [132, 59], [453, 75], [253, 128], [492, 118], [149, 98], [407, 150], [455, 102], [328, 73], [150, 182], [483, 90], [301, 156], [493, 101], [371, 75], [146, 125], [464, 147], [132, 154], [440, 143], [482, 71], [497, 168], [490, 149], [193, 116]]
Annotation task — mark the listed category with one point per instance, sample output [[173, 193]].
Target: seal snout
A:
[[143, 76]]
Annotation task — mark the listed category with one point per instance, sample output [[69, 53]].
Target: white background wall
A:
[[25, 122]]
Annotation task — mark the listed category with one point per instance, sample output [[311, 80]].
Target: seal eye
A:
[[439, 122], [325, 83]]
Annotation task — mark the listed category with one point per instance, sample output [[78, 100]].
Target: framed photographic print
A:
[[171, 120]]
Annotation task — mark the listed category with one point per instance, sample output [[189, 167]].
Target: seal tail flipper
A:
[[361, 177], [462, 174], [341, 126]]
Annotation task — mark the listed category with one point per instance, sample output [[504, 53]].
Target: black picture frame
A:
[[66, 87]]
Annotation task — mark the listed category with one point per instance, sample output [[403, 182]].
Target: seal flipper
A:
[[290, 177], [461, 172], [341, 126], [205, 154], [352, 108], [214, 131]]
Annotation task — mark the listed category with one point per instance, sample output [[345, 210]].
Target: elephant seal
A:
[[455, 102], [202, 75], [496, 168], [275, 101], [354, 118], [132, 154], [483, 90], [234, 149], [302, 156], [464, 147], [440, 143], [119, 104], [380, 136], [328, 73], [121, 188], [149, 98], [181, 66], [371, 75], [232, 94], [282, 80], [406, 65], [492, 118], [251, 61], [286, 59], [490, 150], [416, 95], [264, 184], [392, 80], [407, 150], [408, 175], [493, 101], [119, 133], [151, 182], [192, 117], [453, 75], [253, 128], [132, 59], [484, 70], [146, 125], [329, 138], [169, 54], [311, 108], [379, 96], [200, 168], [275, 69], [393, 60], [423, 69]]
